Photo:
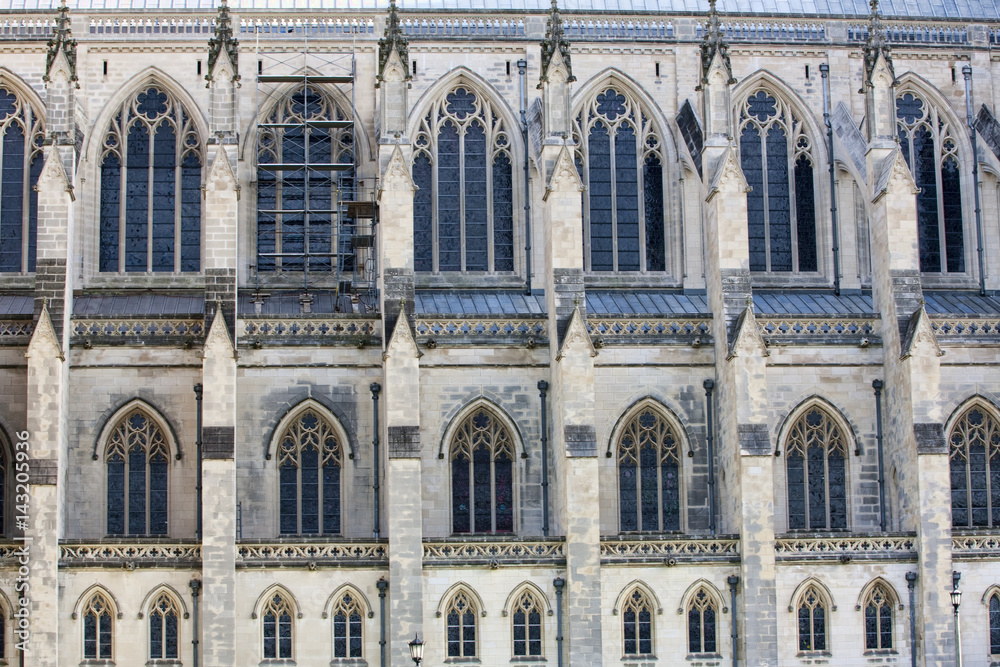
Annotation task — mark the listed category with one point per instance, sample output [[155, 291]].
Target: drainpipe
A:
[[824, 70], [559, 582], [709, 386], [877, 386], [542, 388], [197, 486], [375, 389], [382, 585], [195, 585], [911, 580], [967, 73], [522, 70], [733, 581]]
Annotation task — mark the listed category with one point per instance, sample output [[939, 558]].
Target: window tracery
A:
[[21, 162], [975, 469], [98, 628], [637, 624], [277, 628], [812, 614], [701, 623], [815, 460], [163, 631], [482, 475], [649, 474], [527, 625], [878, 618], [309, 465], [137, 458], [347, 628], [461, 616]]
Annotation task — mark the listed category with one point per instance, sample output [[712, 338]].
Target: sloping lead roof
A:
[[934, 9], [139, 305], [14, 305], [960, 303], [473, 304]]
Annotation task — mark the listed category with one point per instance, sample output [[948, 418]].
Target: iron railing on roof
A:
[[915, 34]]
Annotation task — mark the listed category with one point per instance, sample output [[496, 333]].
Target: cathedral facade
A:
[[593, 334]]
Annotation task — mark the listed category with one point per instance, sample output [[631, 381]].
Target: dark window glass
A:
[[460, 495], [461, 629], [751, 156], [97, 629], [627, 198], [975, 469], [951, 202], [158, 494], [116, 495], [20, 165], [449, 199], [805, 214], [601, 200], [652, 179], [503, 214], [994, 624], [289, 498], [648, 474], [309, 477], [878, 620], [637, 625], [482, 471], [137, 455], [423, 215], [816, 473]]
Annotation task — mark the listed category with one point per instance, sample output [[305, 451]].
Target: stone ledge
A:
[[669, 550], [130, 555], [845, 548], [301, 553], [493, 552]]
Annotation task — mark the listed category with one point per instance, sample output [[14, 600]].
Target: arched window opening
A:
[[21, 136], [527, 626], [701, 623], [277, 628], [995, 624], [482, 475], [649, 474], [815, 459], [163, 629], [777, 163], [310, 136], [975, 470], [309, 465], [137, 458], [98, 628], [463, 212], [812, 621], [878, 618], [621, 160], [461, 614], [932, 155], [151, 188], [347, 637], [637, 624]]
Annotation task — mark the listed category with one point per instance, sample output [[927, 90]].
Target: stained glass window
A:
[[932, 155], [812, 620], [277, 627], [98, 628], [309, 467], [526, 622], [463, 218], [461, 616], [878, 618], [777, 162], [297, 206], [623, 210], [163, 628], [701, 623], [137, 458], [637, 624], [482, 475], [975, 469], [21, 135], [649, 474], [347, 638], [995, 624], [150, 216], [815, 462]]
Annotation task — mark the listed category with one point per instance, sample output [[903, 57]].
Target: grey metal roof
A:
[[289, 303], [644, 303], [790, 302], [473, 304], [960, 303], [13, 305], [145, 304]]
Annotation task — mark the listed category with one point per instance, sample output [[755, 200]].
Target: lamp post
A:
[[416, 650], [956, 600]]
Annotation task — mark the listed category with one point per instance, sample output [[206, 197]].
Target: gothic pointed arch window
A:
[[877, 606], [463, 210], [701, 617], [812, 614], [276, 627], [931, 152], [98, 628], [310, 457], [150, 215], [778, 164], [526, 625], [637, 624], [163, 628], [649, 466], [21, 135], [620, 155], [305, 169], [994, 618], [816, 472], [137, 456], [461, 616], [482, 475], [975, 469], [348, 639]]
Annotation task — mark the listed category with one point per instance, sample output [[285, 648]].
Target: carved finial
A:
[[714, 43], [393, 40], [555, 40], [877, 43], [62, 40], [223, 39]]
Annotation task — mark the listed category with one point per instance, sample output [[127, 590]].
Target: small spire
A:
[[555, 40], [393, 40], [877, 43], [62, 40], [223, 39], [714, 43]]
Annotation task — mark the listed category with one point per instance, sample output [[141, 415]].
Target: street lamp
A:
[[956, 600], [416, 650]]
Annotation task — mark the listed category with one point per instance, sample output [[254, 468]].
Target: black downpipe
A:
[[559, 583], [877, 386], [522, 70], [195, 585], [197, 443], [824, 70], [382, 585], [375, 389], [967, 73], [733, 581], [542, 388], [709, 386], [911, 580]]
